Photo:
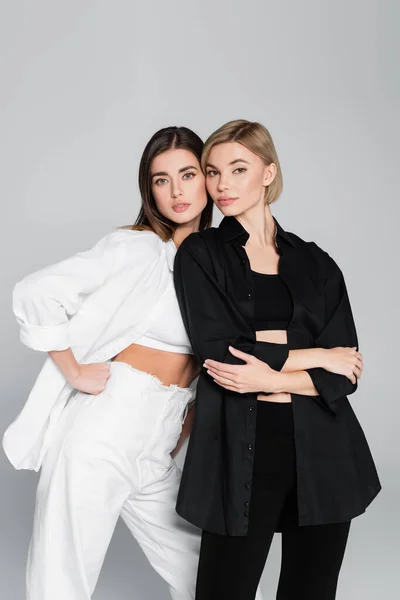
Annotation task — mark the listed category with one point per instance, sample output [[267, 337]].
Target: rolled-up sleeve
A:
[[211, 320], [339, 330], [44, 302]]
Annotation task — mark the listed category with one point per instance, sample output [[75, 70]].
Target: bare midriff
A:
[[171, 368], [276, 336]]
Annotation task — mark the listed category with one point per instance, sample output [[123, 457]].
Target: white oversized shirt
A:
[[97, 303]]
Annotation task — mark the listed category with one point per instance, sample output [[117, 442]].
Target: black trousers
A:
[[230, 567]]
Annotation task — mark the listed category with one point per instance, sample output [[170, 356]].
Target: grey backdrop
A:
[[83, 86]]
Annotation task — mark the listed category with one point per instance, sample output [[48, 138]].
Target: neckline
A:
[[265, 274]]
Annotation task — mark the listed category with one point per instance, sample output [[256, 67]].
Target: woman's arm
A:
[[258, 377], [298, 382], [44, 302], [88, 378], [342, 361], [339, 330]]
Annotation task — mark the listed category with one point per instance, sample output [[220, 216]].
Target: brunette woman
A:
[[104, 431]]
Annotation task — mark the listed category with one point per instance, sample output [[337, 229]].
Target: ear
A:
[[269, 174]]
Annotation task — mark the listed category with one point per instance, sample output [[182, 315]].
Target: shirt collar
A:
[[230, 229]]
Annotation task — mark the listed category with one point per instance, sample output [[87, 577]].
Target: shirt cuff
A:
[[319, 379], [45, 339]]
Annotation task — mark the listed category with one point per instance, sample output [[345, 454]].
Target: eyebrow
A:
[[165, 174], [231, 163]]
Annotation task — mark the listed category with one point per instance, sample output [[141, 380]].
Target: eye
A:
[[211, 173], [160, 181], [240, 170], [189, 175]]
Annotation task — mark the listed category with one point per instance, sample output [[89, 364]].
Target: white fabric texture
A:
[[167, 332], [110, 457], [97, 302]]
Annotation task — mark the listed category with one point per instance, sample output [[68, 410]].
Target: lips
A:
[[225, 200], [181, 207]]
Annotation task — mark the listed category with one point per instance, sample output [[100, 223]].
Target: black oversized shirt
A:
[[336, 476]]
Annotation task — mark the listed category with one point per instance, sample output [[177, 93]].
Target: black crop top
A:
[[273, 305]]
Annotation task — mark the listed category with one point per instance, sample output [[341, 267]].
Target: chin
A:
[[184, 218], [237, 208], [230, 211]]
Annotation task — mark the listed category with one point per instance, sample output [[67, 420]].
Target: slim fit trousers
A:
[[230, 567], [110, 457]]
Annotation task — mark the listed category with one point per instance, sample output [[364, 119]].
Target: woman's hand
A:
[[254, 376], [91, 379], [343, 361]]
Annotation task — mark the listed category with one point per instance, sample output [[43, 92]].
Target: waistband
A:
[[274, 417], [120, 369]]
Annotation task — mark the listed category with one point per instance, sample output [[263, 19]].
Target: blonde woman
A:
[[275, 444]]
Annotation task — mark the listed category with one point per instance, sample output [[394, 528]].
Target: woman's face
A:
[[178, 186], [236, 178]]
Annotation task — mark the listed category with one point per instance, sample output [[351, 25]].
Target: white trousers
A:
[[110, 457]]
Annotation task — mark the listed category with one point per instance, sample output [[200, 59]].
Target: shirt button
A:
[[243, 261], [246, 504], [249, 296], [247, 485], [249, 447], [252, 407], [246, 514]]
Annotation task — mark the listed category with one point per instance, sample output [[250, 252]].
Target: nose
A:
[[176, 190], [223, 183]]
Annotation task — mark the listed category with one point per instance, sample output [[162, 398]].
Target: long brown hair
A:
[[256, 138], [149, 216]]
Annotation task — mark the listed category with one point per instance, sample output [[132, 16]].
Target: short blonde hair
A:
[[256, 138]]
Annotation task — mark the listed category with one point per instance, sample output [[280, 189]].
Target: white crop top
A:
[[167, 331]]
